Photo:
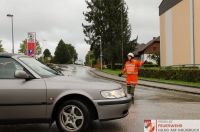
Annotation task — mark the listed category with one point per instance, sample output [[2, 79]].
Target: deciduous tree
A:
[[1, 47], [23, 45]]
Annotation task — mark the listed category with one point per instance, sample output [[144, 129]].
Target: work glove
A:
[[120, 75]]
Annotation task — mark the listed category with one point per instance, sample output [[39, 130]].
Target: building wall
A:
[[176, 26], [181, 41], [162, 40], [153, 48], [197, 31], [169, 37]]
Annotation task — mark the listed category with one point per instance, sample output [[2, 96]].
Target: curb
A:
[[157, 87]]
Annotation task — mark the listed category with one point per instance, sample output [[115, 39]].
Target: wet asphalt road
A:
[[149, 103]]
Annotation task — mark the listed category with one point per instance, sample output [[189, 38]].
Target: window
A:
[[8, 66], [38, 67]]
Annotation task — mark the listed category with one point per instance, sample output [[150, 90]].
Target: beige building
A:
[[180, 32]]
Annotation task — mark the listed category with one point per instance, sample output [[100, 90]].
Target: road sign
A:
[[31, 44]]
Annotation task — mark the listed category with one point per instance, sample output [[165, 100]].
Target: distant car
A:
[[31, 92]]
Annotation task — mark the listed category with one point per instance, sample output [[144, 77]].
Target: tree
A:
[[47, 58], [47, 53], [90, 59], [65, 53], [72, 52], [23, 47], [108, 23], [1, 47]]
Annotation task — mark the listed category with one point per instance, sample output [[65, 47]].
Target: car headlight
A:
[[120, 93]]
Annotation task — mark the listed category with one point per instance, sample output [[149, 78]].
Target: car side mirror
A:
[[21, 74]]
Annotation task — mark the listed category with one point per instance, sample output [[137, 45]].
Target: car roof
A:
[[10, 55]]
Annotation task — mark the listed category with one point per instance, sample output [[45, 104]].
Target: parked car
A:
[[31, 92]]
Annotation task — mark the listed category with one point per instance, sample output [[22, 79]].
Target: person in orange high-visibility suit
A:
[[131, 68]]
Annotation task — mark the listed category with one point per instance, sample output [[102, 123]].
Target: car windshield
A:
[[38, 67]]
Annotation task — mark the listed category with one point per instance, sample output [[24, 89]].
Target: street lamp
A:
[[100, 38], [43, 48], [11, 16], [101, 53]]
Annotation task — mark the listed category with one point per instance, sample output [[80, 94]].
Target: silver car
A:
[[31, 92]]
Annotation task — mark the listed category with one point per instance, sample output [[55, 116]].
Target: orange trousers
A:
[[132, 79]]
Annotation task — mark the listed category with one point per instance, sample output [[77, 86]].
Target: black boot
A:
[[129, 89], [133, 98], [133, 93]]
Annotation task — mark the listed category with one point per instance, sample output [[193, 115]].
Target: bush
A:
[[116, 66], [150, 65], [187, 75]]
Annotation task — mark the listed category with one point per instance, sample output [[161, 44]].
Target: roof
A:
[[9, 55], [166, 5], [142, 47], [139, 48]]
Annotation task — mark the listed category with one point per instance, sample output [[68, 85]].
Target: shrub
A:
[[150, 65], [186, 74]]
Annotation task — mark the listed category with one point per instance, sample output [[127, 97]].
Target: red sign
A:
[[31, 44]]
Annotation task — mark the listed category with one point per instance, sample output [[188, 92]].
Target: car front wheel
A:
[[73, 116]]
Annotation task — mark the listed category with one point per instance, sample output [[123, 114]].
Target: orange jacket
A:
[[131, 68]]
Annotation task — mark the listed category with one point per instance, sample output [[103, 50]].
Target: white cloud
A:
[[53, 20]]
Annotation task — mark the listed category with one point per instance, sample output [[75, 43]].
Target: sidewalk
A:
[[179, 88]]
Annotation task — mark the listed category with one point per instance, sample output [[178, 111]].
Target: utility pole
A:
[[13, 48], [101, 54], [122, 40]]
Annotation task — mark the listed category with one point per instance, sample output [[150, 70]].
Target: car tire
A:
[[73, 116]]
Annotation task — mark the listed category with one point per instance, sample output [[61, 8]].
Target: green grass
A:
[[113, 72], [191, 84]]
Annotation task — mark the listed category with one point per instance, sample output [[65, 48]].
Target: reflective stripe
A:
[[131, 82], [130, 68], [132, 72]]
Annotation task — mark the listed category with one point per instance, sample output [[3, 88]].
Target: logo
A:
[[31, 37], [149, 126]]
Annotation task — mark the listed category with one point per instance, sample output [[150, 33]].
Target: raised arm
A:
[[141, 63]]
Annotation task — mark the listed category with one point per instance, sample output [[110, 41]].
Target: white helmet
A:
[[131, 54]]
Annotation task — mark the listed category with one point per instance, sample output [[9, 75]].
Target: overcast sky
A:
[[53, 20]]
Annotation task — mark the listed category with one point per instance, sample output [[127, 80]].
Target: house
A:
[[144, 51], [180, 32]]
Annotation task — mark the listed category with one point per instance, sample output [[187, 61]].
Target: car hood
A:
[[70, 82]]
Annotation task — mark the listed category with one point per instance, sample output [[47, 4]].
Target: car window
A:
[[38, 67], [8, 66]]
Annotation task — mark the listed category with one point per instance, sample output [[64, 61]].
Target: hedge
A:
[[187, 75], [150, 65]]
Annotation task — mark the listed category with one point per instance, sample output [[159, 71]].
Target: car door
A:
[[20, 98]]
